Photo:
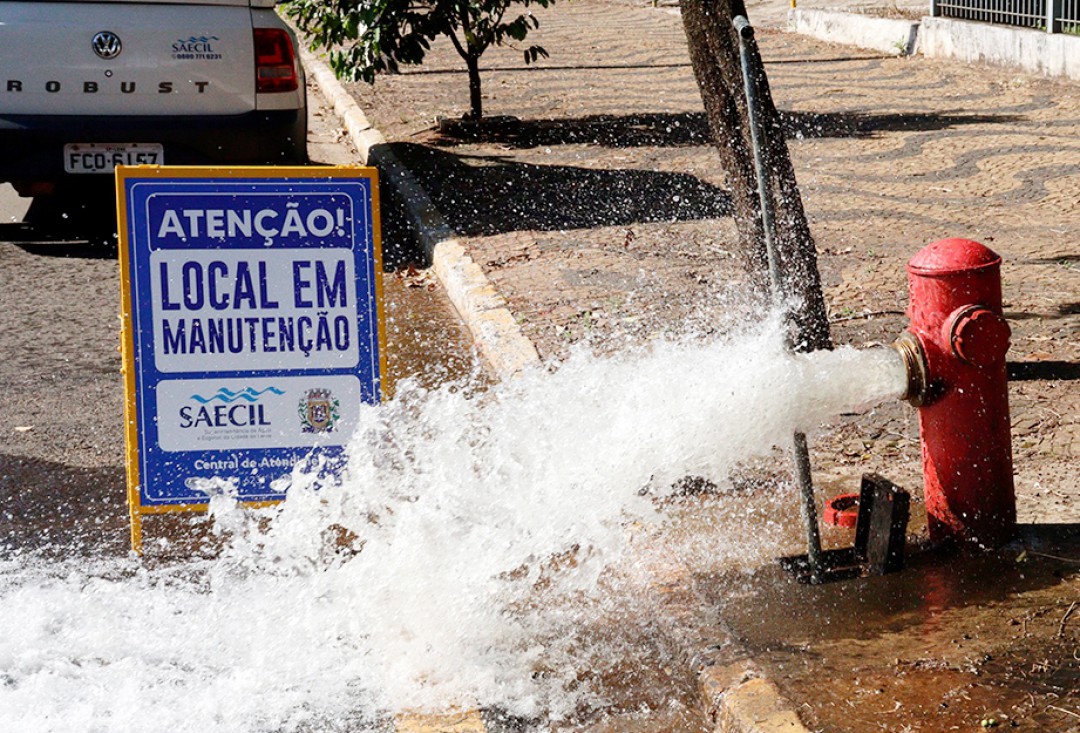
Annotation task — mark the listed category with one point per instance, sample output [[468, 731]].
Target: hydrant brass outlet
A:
[[918, 377]]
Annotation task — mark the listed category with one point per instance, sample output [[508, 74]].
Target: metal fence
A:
[[1054, 16]]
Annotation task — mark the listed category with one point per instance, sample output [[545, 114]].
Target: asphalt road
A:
[[61, 456]]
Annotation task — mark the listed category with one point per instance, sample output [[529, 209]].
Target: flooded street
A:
[[945, 645], [480, 549], [560, 551], [479, 552]]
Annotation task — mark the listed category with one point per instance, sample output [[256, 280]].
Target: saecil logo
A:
[[227, 409], [198, 48]]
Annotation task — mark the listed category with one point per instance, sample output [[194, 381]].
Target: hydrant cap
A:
[[952, 257], [979, 336]]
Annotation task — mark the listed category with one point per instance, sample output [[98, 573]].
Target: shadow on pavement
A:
[[1024, 371], [76, 223], [862, 124], [489, 195], [689, 128], [57, 507], [549, 67]]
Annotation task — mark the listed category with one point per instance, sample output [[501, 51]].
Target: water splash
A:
[[476, 538]]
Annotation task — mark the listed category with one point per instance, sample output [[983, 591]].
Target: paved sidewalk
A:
[[602, 215]]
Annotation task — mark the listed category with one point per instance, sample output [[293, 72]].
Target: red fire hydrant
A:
[[955, 348]]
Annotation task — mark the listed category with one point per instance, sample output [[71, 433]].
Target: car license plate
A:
[[104, 157]]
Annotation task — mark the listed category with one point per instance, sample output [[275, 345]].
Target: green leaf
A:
[[534, 52], [518, 29]]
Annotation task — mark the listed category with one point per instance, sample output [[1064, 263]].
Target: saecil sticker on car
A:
[[198, 48]]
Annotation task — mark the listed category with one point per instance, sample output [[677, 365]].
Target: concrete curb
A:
[[887, 35], [1050, 54], [495, 332], [740, 700], [735, 696], [1033, 51]]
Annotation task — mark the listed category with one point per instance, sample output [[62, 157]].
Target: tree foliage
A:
[[365, 37]]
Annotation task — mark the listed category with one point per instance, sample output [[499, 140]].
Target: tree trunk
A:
[[714, 55], [476, 104]]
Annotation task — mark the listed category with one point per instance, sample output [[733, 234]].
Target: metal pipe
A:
[[768, 219], [768, 215]]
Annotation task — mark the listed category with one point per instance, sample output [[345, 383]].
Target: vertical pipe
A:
[[746, 32], [1053, 12], [802, 455]]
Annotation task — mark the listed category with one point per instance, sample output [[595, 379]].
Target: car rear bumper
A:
[[32, 146]]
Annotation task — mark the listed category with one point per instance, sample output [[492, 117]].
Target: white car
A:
[[87, 85]]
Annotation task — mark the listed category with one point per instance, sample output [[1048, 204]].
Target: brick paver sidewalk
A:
[[603, 213]]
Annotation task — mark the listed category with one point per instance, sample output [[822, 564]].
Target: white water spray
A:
[[452, 568]]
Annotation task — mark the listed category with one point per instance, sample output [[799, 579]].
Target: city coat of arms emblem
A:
[[319, 411]]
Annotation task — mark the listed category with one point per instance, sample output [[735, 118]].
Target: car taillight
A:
[[275, 62]]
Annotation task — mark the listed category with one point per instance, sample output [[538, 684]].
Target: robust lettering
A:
[[54, 86]]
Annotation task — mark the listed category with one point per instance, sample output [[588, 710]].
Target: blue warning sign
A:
[[253, 326]]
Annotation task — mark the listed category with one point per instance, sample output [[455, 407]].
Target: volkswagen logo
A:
[[107, 45]]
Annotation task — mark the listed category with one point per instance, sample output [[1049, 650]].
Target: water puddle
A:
[[949, 643], [426, 341], [481, 553]]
